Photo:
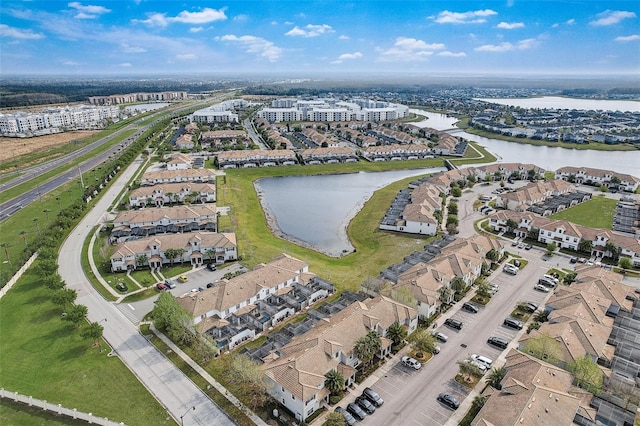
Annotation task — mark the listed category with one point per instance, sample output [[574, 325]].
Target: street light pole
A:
[[185, 413]]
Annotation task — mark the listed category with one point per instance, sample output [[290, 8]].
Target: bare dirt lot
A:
[[12, 148]]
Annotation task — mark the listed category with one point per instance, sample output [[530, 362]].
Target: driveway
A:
[[411, 396]]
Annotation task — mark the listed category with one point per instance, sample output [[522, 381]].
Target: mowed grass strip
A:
[[598, 212], [46, 357]]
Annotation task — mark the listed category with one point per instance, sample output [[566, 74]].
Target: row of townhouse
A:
[[179, 161], [218, 138], [159, 220], [220, 113], [173, 176], [396, 152], [295, 372], [185, 141], [414, 210], [194, 248], [318, 138], [137, 97], [58, 119], [497, 171], [598, 177], [167, 193], [329, 155], [566, 234], [531, 194], [256, 158], [241, 308], [594, 318]]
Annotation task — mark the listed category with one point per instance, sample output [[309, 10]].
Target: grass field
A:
[[595, 213], [45, 357]]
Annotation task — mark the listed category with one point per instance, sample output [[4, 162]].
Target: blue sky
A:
[[511, 37]]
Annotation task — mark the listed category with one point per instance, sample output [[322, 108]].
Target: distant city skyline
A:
[[140, 37]]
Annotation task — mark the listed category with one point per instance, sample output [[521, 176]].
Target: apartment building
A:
[[174, 176], [168, 193], [256, 158], [591, 176]]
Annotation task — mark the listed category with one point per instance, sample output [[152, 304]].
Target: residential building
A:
[[220, 113], [167, 193], [597, 177], [195, 247], [414, 210], [338, 154], [533, 193], [396, 152], [219, 138], [137, 97], [256, 158], [173, 176], [179, 161]]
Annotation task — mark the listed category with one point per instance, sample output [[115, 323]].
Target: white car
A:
[[480, 366], [440, 336], [541, 288], [410, 362], [488, 362]]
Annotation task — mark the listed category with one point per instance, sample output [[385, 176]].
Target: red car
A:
[[161, 286]]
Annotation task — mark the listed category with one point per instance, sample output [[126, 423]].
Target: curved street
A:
[[163, 379]]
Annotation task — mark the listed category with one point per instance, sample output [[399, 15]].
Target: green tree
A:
[[180, 253], [544, 347], [246, 375], [452, 220], [141, 259], [334, 382], [171, 254], [204, 348], [166, 311], [367, 347], [586, 373], [614, 250], [210, 253], [541, 316], [511, 225], [625, 263], [76, 314], [458, 284], [484, 289], [453, 208], [334, 419], [94, 332], [585, 246], [63, 297], [551, 248], [422, 341], [493, 255], [468, 370], [495, 376], [456, 192], [397, 333], [53, 282]]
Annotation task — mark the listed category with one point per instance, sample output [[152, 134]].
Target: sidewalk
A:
[[213, 382]]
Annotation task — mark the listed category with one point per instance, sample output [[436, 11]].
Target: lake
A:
[[314, 211]]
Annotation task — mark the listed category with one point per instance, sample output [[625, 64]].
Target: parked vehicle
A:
[[161, 286], [440, 336], [528, 247], [170, 283], [480, 366], [411, 362], [513, 323], [436, 350], [356, 411], [366, 405], [541, 288], [348, 418], [449, 400], [546, 282], [488, 362], [510, 269], [373, 396], [454, 323], [212, 267], [555, 280], [209, 285], [183, 278], [498, 341], [529, 306], [470, 307]]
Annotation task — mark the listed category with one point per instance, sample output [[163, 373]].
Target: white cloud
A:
[[311, 31], [241, 18], [187, 56], [409, 49], [343, 37], [470, 17], [570, 21], [355, 55], [633, 37], [611, 17], [506, 46], [7, 31], [252, 44], [195, 29], [203, 17], [452, 54], [510, 25], [125, 65], [88, 11], [70, 63], [132, 49]]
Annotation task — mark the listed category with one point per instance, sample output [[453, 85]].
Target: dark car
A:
[[373, 396], [470, 307], [348, 418], [365, 404], [530, 306], [453, 323], [356, 411], [498, 341], [528, 247], [211, 267], [210, 285], [573, 260], [513, 323], [449, 400]]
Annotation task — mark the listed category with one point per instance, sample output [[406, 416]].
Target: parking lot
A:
[[411, 395]]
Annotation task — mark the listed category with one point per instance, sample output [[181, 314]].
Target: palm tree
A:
[[141, 259], [495, 376], [210, 253], [171, 254], [422, 341], [367, 347], [541, 316], [94, 332], [458, 284], [397, 333], [334, 382], [35, 220], [46, 212], [6, 246], [24, 237], [179, 253]]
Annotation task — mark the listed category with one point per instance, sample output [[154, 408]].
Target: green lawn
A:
[[45, 357], [595, 213]]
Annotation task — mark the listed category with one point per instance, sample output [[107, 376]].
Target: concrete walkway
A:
[[213, 382]]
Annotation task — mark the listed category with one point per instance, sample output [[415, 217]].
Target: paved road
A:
[[166, 382], [410, 396]]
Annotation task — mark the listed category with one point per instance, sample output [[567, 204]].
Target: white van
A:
[[552, 278], [488, 362]]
